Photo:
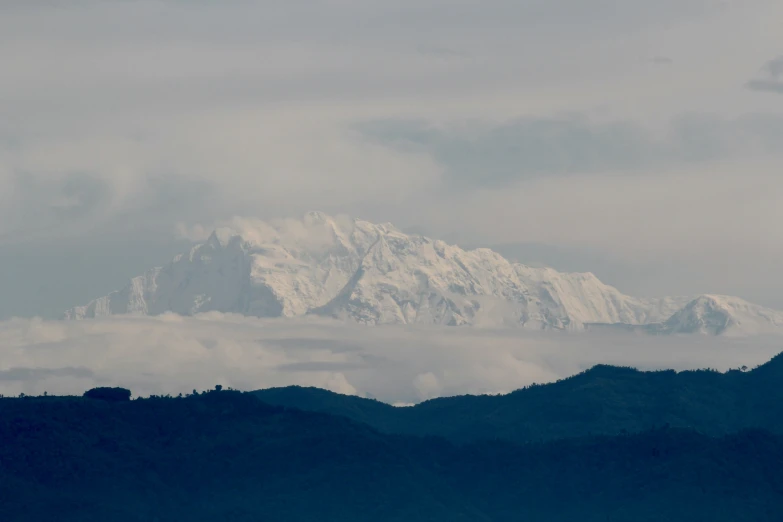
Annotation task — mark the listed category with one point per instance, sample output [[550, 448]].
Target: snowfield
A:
[[375, 274]]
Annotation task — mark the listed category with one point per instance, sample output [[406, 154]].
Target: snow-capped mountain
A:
[[717, 314], [375, 274], [710, 315]]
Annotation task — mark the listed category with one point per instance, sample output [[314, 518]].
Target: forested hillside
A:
[[226, 456], [603, 400]]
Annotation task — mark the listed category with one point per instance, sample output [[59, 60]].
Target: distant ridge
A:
[[226, 456], [603, 400]]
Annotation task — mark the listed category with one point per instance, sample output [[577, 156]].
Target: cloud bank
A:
[[173, 354]]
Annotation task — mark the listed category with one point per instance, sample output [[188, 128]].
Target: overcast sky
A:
[[639, 139]]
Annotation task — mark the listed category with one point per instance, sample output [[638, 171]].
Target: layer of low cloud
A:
[[172, 354]]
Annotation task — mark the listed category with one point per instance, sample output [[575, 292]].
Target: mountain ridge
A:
[[375, 274], [603, 400], [223, 455]]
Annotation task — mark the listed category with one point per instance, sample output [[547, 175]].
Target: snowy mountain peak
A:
[[716, 315], [374, 273]]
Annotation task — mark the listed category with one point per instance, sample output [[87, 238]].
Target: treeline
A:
[[605, 400], [223, 455]]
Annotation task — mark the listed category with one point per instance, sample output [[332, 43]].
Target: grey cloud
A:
[[560, 16], [41, 203], [775, 67], [771, 79], [476, 153], [661, 60], [316, 366], [766, 85], [70, 203], [525, 148], [72, 195], [80, 195], [167, 199], [432, 13], [305, 343], [438, 51], [37, 374]]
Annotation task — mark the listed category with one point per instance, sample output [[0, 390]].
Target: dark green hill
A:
[[218, 456], [603, 400], [226, 456]]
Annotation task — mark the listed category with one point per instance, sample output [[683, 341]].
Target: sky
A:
[[641, 140]]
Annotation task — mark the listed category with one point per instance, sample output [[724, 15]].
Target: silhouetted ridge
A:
[[607, 370], [226, 456], [772, 367], [109, 394], [602, 400]]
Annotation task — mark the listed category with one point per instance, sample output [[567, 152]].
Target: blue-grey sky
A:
[[641, 139]]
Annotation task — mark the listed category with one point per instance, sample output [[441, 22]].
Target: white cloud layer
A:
[[172, 354]]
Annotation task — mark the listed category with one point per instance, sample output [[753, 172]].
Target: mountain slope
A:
[[603, 400], [373, 274], [717, 315], [710, 315], [225, 456]]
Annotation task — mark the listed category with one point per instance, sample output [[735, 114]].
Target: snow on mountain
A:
[[375, 274], [711, 315], [717, 315]]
